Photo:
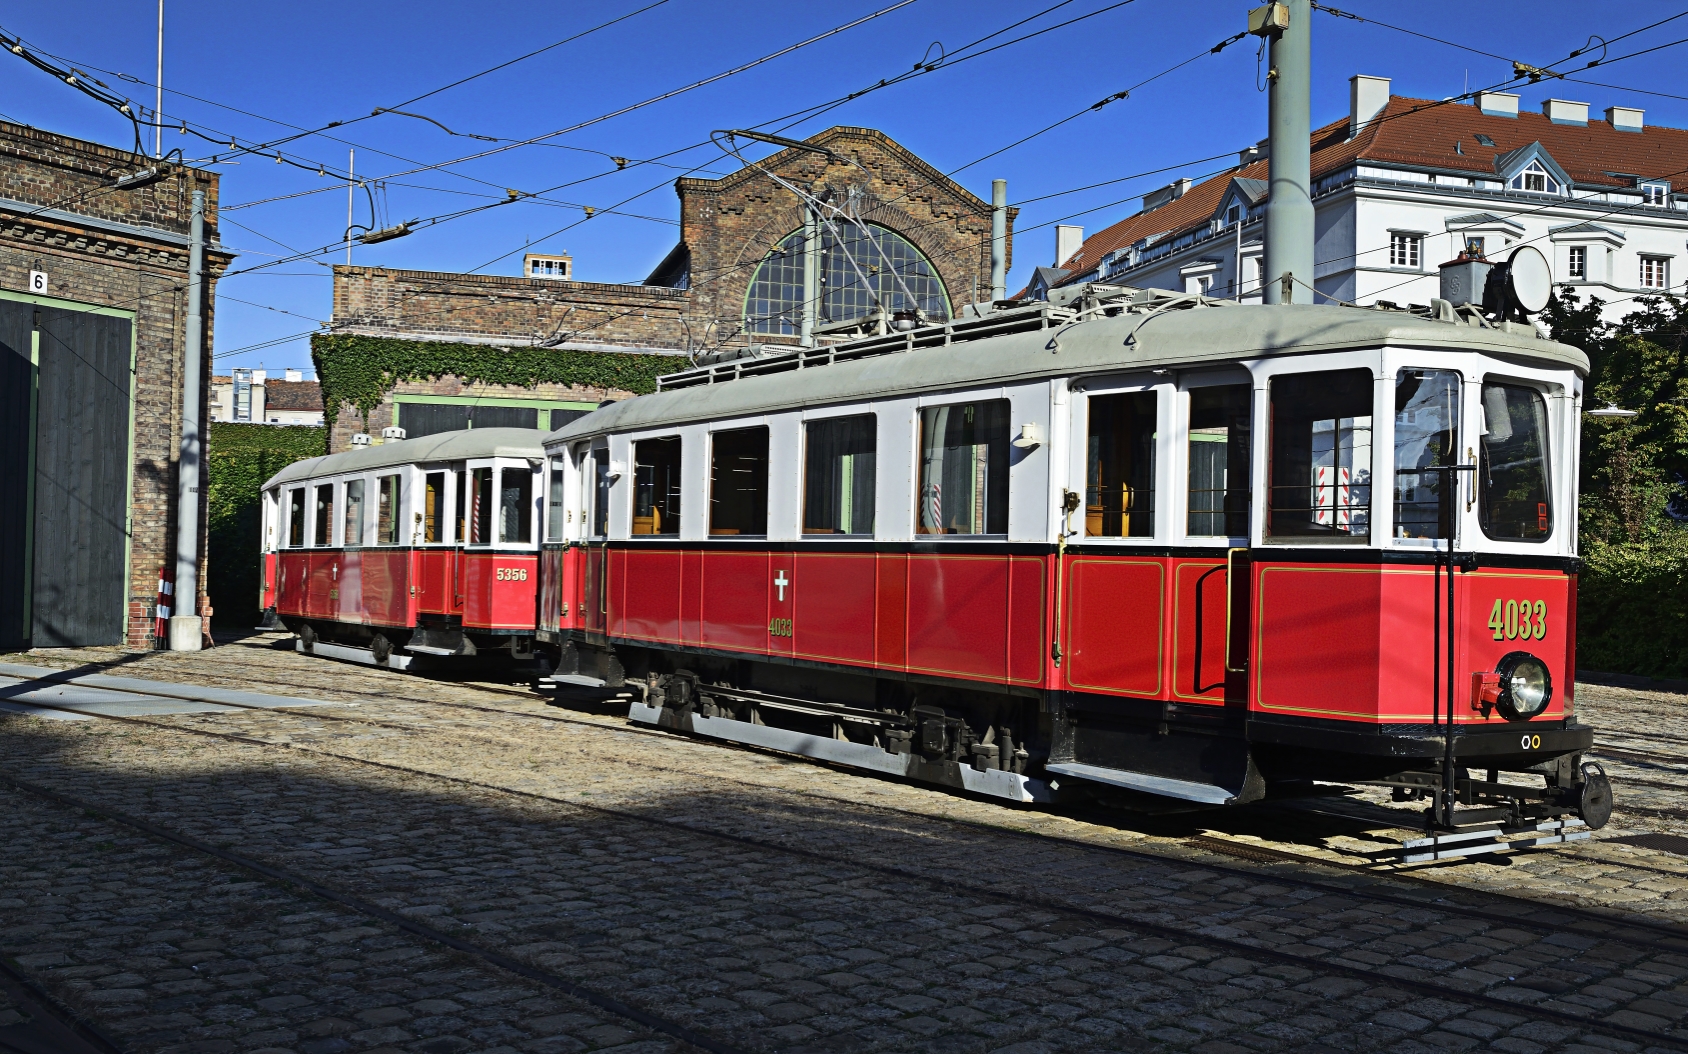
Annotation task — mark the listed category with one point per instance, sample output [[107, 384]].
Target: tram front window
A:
[[433, 507], [1119, 489], [515, 506], [387, 511], [354, 512], [480, 506], [1426, 436], [295, 518], [1513, 500], [964, 469], [1319, 484], [554, 510], [656, 486], [325, 514]]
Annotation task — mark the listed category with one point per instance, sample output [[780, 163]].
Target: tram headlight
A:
[[1526, 687]]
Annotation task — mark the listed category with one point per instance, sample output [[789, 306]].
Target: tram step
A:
[[1456, 844], [993, 782], [1207, 793], [423, 649], [324, 650], [570, 680]]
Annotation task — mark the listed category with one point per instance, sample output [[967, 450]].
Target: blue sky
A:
[[306, 63]]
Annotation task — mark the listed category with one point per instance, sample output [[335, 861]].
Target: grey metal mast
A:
[[999, 239], [186, 629], [1289, 209]]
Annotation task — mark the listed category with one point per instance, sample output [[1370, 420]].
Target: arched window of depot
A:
[[862, 266]]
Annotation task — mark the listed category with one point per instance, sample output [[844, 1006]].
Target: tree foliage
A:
[[238, 459], [1632, 610], [361, 370]]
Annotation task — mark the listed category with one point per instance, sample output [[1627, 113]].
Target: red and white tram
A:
[[416, 548], [1121, 540]]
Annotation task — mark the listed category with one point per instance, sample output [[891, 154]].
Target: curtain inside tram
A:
[[838, 475], [964, 469]]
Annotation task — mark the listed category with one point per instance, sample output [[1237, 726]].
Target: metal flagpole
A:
[[158, 108]]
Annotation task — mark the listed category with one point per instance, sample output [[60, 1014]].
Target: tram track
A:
[[1561, 914], [1136, 923]]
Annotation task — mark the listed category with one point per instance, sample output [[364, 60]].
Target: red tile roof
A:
[[293, 395], [1423, 133]]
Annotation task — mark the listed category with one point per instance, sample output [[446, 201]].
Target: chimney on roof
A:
[[1367, 97], [1171, 192], [1497, 103], [1564, 111], [293, 375], [1625, 118], [1067, 241]]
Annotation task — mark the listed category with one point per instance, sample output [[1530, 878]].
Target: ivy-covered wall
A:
[[361, 370], [239, 458]]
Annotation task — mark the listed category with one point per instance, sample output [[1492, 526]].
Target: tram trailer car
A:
[[414, 550], [1124, 540]]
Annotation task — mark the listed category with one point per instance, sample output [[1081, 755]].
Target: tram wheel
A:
[[307, 637], [381, 648], [1594, 805]]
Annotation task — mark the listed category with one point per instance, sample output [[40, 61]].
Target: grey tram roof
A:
[[443, 446], [1153, 330]]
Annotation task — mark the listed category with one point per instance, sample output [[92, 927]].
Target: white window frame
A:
[[1661, 267], [1167, 404], [1576, 262], [1406, 250]]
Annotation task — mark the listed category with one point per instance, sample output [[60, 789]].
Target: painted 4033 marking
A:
[[1519, 619], [779, 627]]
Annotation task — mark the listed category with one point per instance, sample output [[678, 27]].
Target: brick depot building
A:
[[906, 237], [93, 309]]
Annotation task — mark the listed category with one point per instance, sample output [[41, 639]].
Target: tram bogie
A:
[[1125, 542], [412, 552]]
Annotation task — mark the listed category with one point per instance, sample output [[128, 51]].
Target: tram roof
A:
[[442, 446], [1205, 335]]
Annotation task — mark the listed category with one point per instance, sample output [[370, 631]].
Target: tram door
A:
[[594, 581], [1215, 590]]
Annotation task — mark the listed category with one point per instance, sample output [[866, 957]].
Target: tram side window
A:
[[1221, 461], [324, 515], [1426, 436], [296, 518], [354, 512], [480, 506], [1319, 486], [1513, 502], [738, 482], [838, 475], [515, 505], [964, 469], [656, 486], [387, 510], [554, 503], [433, 507], [1119, 488]]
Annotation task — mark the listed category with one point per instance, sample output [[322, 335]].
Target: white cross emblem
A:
[[781, 581]]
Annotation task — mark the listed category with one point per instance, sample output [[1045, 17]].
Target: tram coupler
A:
[[1575, 790]]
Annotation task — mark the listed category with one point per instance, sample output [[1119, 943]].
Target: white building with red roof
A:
[[1402, 185]]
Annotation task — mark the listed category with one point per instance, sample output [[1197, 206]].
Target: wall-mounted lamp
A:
[[1030, 436]]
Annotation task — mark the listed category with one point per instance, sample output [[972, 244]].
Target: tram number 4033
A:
[[1519, 619], [779, 627]]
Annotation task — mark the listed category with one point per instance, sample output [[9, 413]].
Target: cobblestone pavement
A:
[[766, 902]]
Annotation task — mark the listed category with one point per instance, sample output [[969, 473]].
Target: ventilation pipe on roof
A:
[[1068, 240], [999, 239], [1367, 97], [1289, 206]]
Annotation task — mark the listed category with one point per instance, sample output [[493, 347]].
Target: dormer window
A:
[[1656, 194], [1233, 214], [1536, 179]]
